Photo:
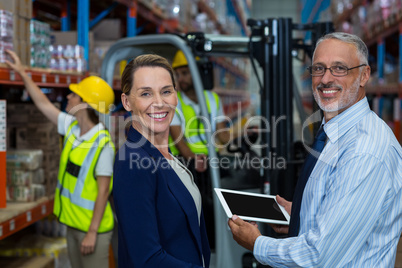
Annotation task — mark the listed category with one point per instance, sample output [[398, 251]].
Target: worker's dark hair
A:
[[147, 60], [93, 116]]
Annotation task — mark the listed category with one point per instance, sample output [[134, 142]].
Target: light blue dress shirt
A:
[[351, 212]]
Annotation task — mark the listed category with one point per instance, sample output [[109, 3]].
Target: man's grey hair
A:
[[351, 39]]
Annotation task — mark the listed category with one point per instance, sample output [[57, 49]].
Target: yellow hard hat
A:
[[179, 60], [96, 92]]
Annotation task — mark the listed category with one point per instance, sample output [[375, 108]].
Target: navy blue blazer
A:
[[156, 215]]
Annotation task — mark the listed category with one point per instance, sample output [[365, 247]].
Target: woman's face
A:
[[74, 103], [152, 101]]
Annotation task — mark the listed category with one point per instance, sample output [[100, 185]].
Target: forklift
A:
[[270, 48]]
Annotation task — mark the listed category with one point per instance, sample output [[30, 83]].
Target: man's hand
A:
[[279, 228], [244, 233], [200, 162]]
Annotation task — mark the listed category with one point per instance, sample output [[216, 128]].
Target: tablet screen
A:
[[253, 206]]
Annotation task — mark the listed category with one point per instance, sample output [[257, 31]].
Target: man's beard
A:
[[346, 99], [185, 87]]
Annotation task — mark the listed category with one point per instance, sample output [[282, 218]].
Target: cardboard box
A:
[[97, 54], [68, 38], [11, 6], [21, 114], [25, 8], [108, 29], [51, 181], [44, 138], [21, 38], [25, 53], [22, 8], [24, 33]]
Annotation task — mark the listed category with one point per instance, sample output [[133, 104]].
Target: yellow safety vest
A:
[[194, 132], [77, 189]]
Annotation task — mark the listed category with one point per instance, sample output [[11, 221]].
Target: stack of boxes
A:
[[67, 58], [6, 33], [66, 54], [40, 42], [25, 178], [30, 129], [22, 14]]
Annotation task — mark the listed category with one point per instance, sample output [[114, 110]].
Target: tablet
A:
[[252, 206]]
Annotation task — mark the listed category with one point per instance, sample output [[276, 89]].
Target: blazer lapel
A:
[[186, 201]]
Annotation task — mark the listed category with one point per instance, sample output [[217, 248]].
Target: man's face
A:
[[183, 78], [336, 94]]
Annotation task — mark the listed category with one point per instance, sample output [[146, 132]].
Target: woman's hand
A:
[[16, 65], [88, 243]]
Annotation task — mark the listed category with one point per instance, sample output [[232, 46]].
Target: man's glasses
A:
[[337, 70]]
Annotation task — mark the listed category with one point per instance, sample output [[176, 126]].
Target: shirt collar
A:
[[187, 100], [344, 121], [90, 133]]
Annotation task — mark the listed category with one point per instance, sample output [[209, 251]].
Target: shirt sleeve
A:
[[356, 193], [104, 167], [64, 120]]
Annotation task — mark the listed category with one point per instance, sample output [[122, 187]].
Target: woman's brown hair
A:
[[147, 60]]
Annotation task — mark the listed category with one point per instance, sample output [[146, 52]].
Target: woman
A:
[[158, 205], [86, 166]]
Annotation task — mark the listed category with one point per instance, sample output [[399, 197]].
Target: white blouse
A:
[[187, 178]]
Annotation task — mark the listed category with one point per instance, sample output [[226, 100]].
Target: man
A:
[[351, 207]]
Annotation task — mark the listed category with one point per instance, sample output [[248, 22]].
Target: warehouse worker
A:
[[86, 166], [187, 129], [347, 206]]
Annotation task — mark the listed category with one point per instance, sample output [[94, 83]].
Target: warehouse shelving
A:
[[384, 89], [383, 39], [203, 7], [375, 38], [240, 12], [42, 77], [346, 14], [19, 215], [153, 14]]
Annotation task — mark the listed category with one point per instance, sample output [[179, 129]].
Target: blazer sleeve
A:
[[134, 195]]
